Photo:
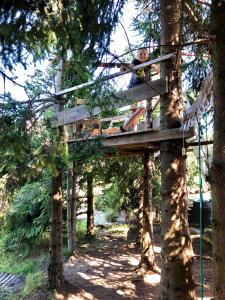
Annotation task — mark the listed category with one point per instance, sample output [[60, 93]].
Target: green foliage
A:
[[14, 132], [81, 229], [28, 216], [38, 27], [192, 171], [147, 22], [34, 281], [14, 262], [110, 202], [86, 150], [4, 198], [41, 83], [156, 183]]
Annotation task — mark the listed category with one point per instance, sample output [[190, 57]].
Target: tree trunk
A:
[[71, 210], [177, 255], [55, 269], [74, 208], [148, 117], [218, 163], [90, 207], [157, 213], [147, 252], [140, 220]]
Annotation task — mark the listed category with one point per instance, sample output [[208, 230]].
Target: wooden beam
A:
[[118, 100], [203, 143], [142, 138], [117, 74], [90, 121], [147, 136], [124, 153], [114, 118], [112, 65]]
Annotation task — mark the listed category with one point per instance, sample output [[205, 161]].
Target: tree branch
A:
[[196, 23]]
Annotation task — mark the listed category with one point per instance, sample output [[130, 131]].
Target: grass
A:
[[18, 264], [34, 282], [118, 228]]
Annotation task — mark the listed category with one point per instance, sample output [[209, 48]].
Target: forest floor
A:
[[105, 269]]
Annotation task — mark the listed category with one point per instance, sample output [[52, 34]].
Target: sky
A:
[[118, 45]]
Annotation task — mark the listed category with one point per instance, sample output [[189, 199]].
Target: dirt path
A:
[[105, 270]]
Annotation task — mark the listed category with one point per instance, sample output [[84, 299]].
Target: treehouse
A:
[[131, 135]]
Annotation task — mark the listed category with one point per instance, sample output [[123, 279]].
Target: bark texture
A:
[[74, 208], [71, 210], [177, 255], [147, 251], [218, 163], [140, 219], [90, 206], [55, 269]]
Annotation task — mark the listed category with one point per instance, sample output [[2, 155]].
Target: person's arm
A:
[[155, 68], [135, 62], [124, 68]]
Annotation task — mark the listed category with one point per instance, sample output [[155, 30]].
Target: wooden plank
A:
[[120, 99], [147, 136], [90, 121], [114, 118], [124, 153], [75, 114], [141, 138], [117, 74], [111, 65], [203, 143]]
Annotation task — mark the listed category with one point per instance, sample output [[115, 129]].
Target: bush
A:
[[81, 229], [110, 201], [28, 216], [111, 215]]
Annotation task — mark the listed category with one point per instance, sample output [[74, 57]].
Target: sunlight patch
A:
[[152, 279], [157, 249], [133, 261], [127, 293]]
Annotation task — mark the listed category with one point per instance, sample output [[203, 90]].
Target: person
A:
[[138, 77]]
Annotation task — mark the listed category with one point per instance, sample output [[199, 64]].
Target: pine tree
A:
[[176, 275], [218, 163]]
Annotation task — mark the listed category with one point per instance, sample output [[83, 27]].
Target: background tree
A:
[[218, 164], [176, 275]]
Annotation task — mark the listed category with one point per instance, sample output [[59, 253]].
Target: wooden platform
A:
[[134, 143]]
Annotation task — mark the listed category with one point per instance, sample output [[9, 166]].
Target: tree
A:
[[72, 208], [147, 251], [176, 277], [218, 163], [55, 268], [56, 26], [90, 206]]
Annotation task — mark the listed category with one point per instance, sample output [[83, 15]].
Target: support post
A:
[[90, 206], [55, 269]]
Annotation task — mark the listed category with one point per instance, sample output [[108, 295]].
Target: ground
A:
[[105, 269]]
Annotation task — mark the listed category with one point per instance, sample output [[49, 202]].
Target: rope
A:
[[201, 206]]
